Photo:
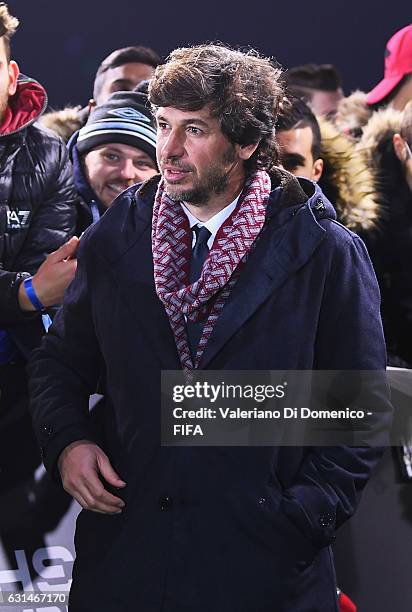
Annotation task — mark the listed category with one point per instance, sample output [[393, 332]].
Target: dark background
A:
[[62, 43]]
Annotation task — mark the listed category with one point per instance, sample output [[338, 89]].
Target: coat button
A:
[[165, 502]]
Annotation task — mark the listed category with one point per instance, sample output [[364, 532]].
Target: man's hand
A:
[[80, 464], [53, 276]]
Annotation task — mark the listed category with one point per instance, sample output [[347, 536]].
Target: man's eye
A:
[[194, 130], [162, 125], [143, 164], [111, 157]]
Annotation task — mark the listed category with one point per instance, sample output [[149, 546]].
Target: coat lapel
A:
[[279, 253], [132, 265]]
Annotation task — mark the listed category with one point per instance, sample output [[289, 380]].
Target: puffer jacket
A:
[[37, 195]]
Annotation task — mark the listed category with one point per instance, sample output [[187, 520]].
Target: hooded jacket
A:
[[37, 196], [353, 114], [348, 180], [390, 247]]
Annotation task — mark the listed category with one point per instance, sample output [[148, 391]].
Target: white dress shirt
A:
[[213, 224]]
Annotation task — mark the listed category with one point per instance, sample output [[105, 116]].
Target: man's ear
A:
[[317, 169], [246, 151], [399, 147], [13, 75]]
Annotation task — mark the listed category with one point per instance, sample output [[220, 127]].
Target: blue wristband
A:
[[31, 294]]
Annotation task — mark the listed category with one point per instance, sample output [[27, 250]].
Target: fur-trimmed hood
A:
[[382, 125], [353, 114], [65, 122], [348, 180], [377, 147]]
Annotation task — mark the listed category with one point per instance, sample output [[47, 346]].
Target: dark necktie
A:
[[199, 254]]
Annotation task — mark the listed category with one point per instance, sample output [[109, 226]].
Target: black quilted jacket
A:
[[37, 197]]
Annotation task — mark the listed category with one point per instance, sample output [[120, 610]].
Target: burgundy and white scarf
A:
[[171, 243]]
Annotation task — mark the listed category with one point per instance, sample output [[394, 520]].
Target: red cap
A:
[[398, 63], [346, 604]]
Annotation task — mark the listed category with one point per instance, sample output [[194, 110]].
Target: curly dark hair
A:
[[242, 89]]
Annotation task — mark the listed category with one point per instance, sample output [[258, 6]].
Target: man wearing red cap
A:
[[395, 89]]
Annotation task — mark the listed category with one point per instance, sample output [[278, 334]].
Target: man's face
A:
[[8, 78], [123, 78], [112, 168], [325, 102], [196, 159], [296, 153]]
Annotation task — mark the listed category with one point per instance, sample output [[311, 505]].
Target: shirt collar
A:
[[215, 222]]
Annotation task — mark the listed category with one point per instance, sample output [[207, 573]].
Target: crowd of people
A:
[[61, 171]]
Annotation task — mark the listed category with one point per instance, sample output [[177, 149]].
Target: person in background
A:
[[37, 262], [312, 147], [320, 86], [122, 70], [393, 91], [114, 150], [385, 144], [299, 139], [387, 141]]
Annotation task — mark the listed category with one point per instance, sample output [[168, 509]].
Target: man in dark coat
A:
[[284, 287]]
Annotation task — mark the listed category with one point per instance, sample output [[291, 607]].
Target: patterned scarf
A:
[[171, 242]]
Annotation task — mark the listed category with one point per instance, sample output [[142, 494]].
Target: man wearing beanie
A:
[[114, 150]]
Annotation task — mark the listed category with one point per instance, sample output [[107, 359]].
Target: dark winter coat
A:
[[212, 528], [37, 196]]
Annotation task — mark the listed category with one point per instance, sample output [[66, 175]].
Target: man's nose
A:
[[172, 146], [128, 170]]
